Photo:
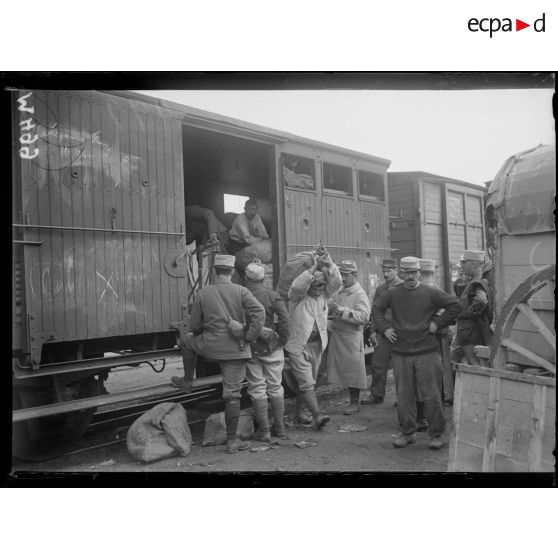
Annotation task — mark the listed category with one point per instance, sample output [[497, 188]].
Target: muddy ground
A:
[[325, 450]]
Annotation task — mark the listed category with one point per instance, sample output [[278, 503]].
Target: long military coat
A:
[[210, 325], [345, 354]]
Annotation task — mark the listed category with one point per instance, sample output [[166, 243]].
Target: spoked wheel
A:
[[49, 437], [520, 326]]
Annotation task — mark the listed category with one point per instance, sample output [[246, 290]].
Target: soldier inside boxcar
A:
[[473, 323], [202, 226], [382, 347], [308, 310], [217, 334], [416, 354], [247, 228], [349, 312], [264, 371]]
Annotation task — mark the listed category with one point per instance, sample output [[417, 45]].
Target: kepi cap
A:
[[389, 263], [427, 265], [224, 260], [409, 262], [473, 255], [254, 271], [348, 266]]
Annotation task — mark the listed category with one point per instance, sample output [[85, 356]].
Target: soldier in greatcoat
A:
[[210, 322], [350, 309]]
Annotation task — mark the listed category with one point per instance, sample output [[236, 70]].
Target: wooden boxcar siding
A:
[[403, 211], [349, 227], [97, 155], [433, 228]]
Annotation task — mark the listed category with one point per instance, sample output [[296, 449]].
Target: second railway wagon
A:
[[437, 218], [100, 185]]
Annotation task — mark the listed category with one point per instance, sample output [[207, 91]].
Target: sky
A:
[[465, 135]]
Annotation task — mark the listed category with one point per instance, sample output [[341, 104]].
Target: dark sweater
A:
[[412, 310]]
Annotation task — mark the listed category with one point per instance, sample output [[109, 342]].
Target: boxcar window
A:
[[371, 185], [298, 172], [233, 203], [338, 179]]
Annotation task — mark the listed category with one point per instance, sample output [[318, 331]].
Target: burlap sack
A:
[[159, 433], [215, 431]]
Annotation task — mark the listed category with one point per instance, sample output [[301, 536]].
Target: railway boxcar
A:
[[505, 411], [437, 218], [100, 185]]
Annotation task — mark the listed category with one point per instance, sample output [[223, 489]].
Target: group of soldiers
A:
[[250, 330]]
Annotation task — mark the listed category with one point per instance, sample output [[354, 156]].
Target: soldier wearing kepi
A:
[[307, 341], [216, 333], [350, 310], [264, 371], [416, 354], [382, 347]]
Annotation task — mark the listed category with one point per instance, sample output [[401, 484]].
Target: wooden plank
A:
[[504, 440], [538, 323], [454, 436], [505, 464], [475, 382], [532, 357], [469, 458], [474, 405], [483, 371], [517, 391], [78, 210], [514, 413], [536, 428], [472, 431], [146, 145], [489, 449], [89, 195]]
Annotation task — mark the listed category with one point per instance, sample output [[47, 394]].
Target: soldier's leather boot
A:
[[262, 434], [232, 414], [278, 411], [353, 408], [189, 365], [312, 401], [301, 414]]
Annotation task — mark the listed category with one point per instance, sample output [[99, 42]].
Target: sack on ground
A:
[[260, 251], [159, 433], [215, 431]]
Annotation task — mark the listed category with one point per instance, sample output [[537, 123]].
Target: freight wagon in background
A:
[[437, 218], [100, 185]]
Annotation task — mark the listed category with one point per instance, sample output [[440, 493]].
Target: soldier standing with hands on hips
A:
[[416, 354]]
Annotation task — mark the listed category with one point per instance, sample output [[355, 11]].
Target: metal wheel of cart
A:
[[517, 305], [48, 437]]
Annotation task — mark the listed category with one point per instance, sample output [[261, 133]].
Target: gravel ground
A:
[[326, 450]]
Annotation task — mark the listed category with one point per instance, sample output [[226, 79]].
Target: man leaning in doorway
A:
[[416, 353]]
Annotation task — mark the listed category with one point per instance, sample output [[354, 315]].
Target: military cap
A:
[[409, 262], [473, 255], [347, 266], [224, 260], [255, 271], [389, 263], [427, 265]]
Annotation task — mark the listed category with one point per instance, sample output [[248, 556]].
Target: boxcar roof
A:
[[276, 135], [429, 175]]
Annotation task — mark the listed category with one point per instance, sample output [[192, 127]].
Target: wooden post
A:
[[457, 396], [445, 239], [536, 428], [489, 450]]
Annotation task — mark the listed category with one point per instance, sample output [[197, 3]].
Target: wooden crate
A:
[[502, 421]]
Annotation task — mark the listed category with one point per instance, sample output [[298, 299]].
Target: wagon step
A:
[[153, 391]]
